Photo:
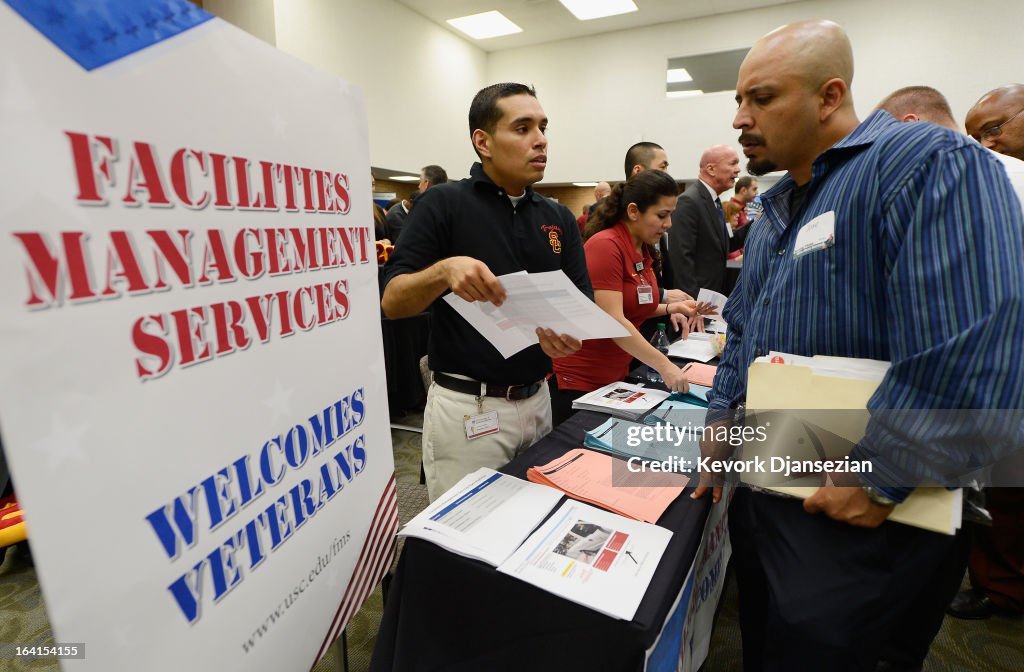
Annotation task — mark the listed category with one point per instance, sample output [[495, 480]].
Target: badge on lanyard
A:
[[644, 294], [639, 266]]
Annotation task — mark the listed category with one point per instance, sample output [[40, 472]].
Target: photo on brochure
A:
[[583, 542], [623, 394]]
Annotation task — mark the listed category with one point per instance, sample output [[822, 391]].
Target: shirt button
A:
[[782, 252], [767, 301], [758, 352]]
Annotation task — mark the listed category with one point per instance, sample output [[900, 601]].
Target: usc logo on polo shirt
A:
[[553, 240]]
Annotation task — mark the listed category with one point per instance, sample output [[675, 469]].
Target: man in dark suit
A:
[[699, 239]]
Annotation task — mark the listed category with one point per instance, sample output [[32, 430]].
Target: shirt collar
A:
[[711, 191], [478, 177], [863, 136]]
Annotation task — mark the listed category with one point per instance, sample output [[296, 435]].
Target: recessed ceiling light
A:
[[485, 25], [584, 184], [684, 94], [678, 75], [404, 178], [584, 10]]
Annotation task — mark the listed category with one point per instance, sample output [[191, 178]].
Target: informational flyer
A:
[[485, 516], [192, 388], [592, 557]]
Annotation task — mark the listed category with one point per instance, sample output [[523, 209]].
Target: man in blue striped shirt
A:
[[923, 270]]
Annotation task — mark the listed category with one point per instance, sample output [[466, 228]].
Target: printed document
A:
[[623, 400], [485, 516], [715, 299], [548, 300], [676, 447], [591, 557], [610, 483], [696, 346]]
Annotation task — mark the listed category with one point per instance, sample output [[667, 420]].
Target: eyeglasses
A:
[[996, 131]]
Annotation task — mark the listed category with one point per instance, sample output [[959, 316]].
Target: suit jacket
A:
[[698, 244]]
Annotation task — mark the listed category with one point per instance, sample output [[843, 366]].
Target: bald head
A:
[[997, 121], [719, 167], [794, 97], [601, 190], [815, 51], [919, 103]]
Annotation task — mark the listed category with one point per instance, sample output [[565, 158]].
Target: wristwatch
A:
[[876, 496]]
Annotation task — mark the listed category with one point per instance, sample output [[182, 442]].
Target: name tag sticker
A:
[[481, 424], [817, 234]]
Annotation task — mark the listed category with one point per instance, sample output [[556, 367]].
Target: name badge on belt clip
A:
[[481, 424]]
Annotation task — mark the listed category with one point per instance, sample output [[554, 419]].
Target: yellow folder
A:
[[811, 431]]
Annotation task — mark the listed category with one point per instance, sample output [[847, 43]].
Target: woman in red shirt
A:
[[622, 259]]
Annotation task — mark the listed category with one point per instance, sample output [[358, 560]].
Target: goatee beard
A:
[[759, 167]]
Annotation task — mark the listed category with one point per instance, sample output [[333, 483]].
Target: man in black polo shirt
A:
[[482, 409]]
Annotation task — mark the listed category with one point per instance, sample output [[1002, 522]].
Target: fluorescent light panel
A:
[[677, 76], [584, 184], [485, 25], [584, 10], [684, 94], [404, 178]]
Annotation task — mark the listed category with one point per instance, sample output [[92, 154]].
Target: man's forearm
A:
[[412, 293]]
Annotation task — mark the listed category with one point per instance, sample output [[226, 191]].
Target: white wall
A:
[[417, 78], [605, 92], [255, 17]]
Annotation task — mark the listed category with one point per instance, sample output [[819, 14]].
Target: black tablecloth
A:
[[405, 342], [447, 612]]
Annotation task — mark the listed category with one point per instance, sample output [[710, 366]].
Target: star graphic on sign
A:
[[62, 444], [279, 402], [279, 124]]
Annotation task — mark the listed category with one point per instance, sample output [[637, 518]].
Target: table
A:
[[447, 612]]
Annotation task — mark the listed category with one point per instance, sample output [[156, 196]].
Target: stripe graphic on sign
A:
[[374, 559]]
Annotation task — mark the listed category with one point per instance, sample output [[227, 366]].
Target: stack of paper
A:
[[623, 400], [697, 346], [485, 516], [677, 447], [611, 483], [701, 374], [697, 396], [591, 557], [818, 399], [679, 411]]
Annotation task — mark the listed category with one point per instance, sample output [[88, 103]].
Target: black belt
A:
[[509, 392]]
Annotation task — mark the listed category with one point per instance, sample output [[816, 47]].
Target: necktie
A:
[[721, 217]]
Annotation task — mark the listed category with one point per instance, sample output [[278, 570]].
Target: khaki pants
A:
[[448, 455]]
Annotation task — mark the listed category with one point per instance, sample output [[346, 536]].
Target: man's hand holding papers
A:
[[847, 503], [471, 280]]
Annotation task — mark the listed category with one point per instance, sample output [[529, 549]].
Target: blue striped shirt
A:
[[926, 271]]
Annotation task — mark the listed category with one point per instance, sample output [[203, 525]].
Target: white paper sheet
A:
[[624, 400], [485, 516], [715, 299], [534, 300], [697, 346], [591, 557]]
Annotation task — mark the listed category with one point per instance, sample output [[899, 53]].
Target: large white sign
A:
[[192, 389]]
